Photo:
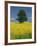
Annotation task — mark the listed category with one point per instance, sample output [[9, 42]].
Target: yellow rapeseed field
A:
[[20, 28]]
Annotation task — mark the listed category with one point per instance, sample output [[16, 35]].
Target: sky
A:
[[14, 11]]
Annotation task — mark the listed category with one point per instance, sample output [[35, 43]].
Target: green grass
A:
[[21, 30]]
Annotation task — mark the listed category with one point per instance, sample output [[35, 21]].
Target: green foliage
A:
[[22, 16], [21, 36]]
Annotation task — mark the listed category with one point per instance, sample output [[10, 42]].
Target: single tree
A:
[[21, 16]]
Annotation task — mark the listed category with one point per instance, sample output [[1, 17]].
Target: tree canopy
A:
[[21, 16]]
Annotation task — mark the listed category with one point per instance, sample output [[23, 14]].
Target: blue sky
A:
[[14, 10]]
